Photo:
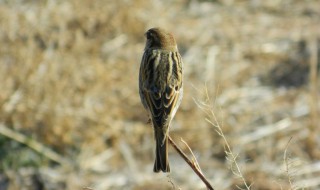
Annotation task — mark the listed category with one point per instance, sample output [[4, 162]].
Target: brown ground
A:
[[69, 84]]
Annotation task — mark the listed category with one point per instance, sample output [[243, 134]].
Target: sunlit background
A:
[[70, 112]]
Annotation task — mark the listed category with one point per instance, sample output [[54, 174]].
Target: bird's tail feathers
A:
[[162, 160]]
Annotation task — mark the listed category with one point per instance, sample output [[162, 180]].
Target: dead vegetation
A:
[[69, 85]]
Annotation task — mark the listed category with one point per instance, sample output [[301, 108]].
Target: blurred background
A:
[[70, 112]]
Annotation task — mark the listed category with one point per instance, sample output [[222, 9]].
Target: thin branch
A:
[[37, 146], [286, 161], [212, 119], [314, 117], [195, 161], [191, 164]]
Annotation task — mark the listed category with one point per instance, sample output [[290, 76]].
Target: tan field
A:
[[70, 111]]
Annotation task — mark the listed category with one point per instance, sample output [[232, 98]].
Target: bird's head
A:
[[158, 38]]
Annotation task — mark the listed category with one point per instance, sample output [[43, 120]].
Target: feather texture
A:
[[160, 88]]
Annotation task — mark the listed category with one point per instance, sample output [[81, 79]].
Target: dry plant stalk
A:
[[172, 184], [87, 188], [286, 161], [194, 160], [37, 146], [235, 168], [193, 164], [311, 140]]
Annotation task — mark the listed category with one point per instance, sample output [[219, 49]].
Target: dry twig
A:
[[194, 167], [212, 119], [311, 140], [37, 146], [287, 165]]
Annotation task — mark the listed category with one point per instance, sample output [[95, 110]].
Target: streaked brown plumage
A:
[[160, 88]]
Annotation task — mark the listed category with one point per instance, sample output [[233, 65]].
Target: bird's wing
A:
[[162, 105], [163, 100]]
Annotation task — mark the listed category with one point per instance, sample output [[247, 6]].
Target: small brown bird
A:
[[160, 88]]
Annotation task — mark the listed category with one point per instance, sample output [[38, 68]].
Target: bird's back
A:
[[163, 83]]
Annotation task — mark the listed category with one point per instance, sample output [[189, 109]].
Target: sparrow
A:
[[160, 88]]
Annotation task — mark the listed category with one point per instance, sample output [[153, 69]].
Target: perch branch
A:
[[191, 164]]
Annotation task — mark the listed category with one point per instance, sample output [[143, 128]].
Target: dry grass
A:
[[69, 70]]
